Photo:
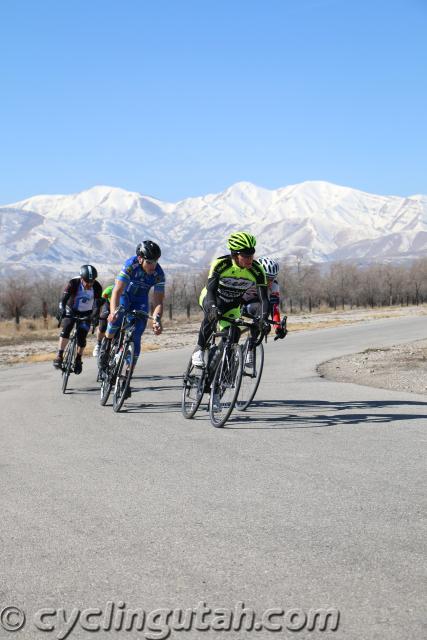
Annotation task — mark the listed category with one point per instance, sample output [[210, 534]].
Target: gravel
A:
[[401, 368]]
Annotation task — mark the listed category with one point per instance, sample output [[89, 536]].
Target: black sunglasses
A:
[[246, 253]]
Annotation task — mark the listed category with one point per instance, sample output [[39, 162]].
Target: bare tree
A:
[[370, 285], [418, 280], [47, 291], [16, 294], [342, 281]]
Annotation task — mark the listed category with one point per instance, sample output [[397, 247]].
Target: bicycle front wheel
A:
[[253, 364], [192, 390], [108, 374], [225, 386], [123, 376], [67, 366]]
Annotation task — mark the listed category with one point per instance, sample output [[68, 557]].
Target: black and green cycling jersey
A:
[[227, 282]]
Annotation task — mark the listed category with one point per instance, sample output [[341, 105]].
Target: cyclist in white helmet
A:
[[251, 301]]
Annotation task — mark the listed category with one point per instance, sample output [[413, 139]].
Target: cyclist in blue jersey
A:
[[138, 275]]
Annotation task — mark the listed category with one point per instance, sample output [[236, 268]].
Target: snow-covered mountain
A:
[[317, 220]]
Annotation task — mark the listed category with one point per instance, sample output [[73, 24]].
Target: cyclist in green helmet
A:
[[230, 276], [103, 315]]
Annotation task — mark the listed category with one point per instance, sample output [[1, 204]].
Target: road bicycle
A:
[[70, 351], [221, 377], [117, 372], [253, 365]]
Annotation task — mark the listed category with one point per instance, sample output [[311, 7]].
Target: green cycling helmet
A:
[[241, 241]]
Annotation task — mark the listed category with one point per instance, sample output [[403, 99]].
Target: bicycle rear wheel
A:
[[123, 376], [251, 375], [67, 366], [225, 386], [192, 390]]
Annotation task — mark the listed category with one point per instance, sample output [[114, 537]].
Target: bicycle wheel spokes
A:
[[68, 363], [225, 386], [251, 375], [123, 376], [192, 390]]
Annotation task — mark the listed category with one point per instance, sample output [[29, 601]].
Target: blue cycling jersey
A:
[[138, 281]]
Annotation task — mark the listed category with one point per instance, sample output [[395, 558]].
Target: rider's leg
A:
[[253, 310], [140, 326], [233, 313], [207, 328], [100, 333], [112, 328], [67, 325], [82, 331]]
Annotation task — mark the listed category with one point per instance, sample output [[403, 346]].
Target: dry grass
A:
[[33, 342], [27, 331], [324, 324], [37, 357]]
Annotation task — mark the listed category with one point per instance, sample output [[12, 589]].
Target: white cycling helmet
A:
[[271, 267]]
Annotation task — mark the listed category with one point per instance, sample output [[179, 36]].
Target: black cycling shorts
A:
[[82, 329]]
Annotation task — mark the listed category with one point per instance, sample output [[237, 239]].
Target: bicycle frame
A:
[[70, 351], [122, 344]]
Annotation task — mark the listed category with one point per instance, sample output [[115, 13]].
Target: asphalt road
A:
[[315, 498]]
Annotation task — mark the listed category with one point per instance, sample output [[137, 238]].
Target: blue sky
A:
[[176, 98]]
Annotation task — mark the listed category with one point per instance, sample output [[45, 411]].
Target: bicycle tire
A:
[[122, 381], [67, 366], [225, 386], [108, 378], [251, 376], [193, 387]]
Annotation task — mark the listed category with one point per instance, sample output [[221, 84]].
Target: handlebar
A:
[[77, 318], [138, 313], [238, 322], [282, 324]]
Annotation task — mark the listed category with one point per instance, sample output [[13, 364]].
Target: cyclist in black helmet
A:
[[138, 275], [81, 298]]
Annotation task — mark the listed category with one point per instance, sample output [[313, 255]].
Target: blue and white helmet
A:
[[271, 266]]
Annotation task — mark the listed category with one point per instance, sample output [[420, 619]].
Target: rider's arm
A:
[[265, 303], [212, 288], [119, 288], [275, 301], [158, 298], [97, 302], [66, 294], [262, 290], [276, 312]]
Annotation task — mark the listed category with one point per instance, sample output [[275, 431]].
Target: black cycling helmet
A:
[[88, 272], [148, 250]]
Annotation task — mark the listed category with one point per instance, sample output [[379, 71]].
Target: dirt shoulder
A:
[[401, 367], [38, 346]]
